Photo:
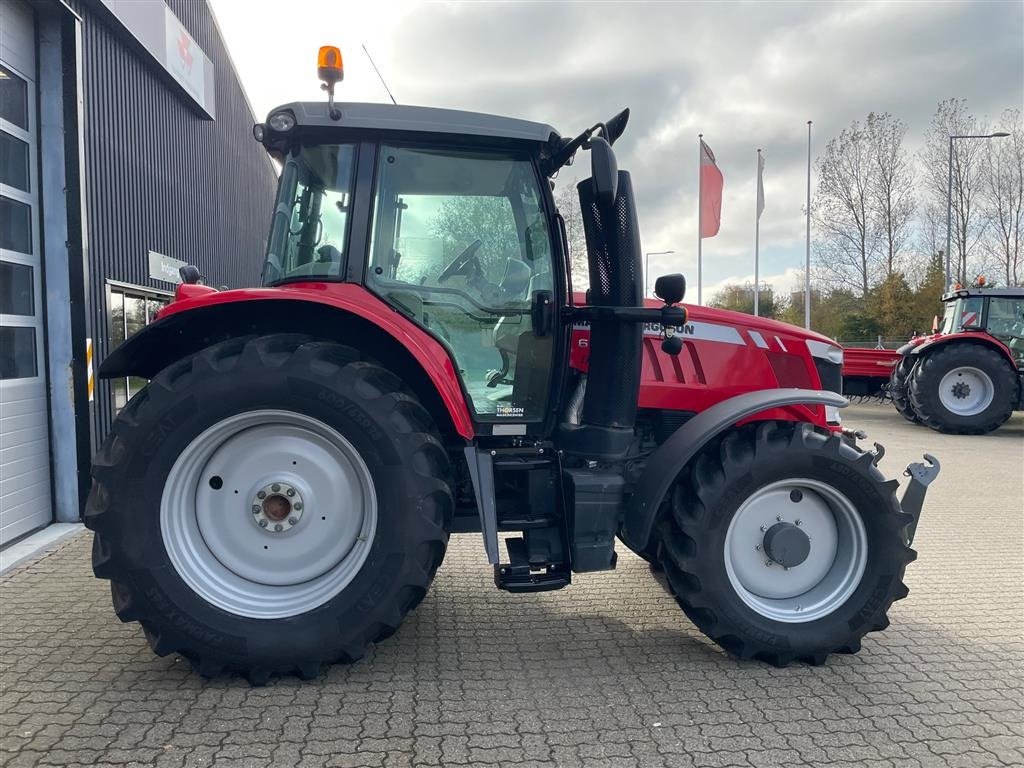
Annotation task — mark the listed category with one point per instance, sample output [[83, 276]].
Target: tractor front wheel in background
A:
[[782, 543], [268, 505], [963, 389], [899, 388]]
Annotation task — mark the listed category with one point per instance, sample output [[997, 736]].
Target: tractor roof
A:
[[402, 119], [963, 293]]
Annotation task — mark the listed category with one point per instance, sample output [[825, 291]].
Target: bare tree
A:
[[847, 243], [952, 118], [1003, 198], [893, 200], [568, 204]]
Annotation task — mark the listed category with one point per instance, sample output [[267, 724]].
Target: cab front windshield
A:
[[308, 234]]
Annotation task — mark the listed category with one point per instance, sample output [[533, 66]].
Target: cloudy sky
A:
[[746, 75]]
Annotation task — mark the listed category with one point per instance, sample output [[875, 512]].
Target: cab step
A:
[[529, 571]]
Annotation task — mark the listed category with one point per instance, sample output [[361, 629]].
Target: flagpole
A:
[[757, 238], [700, 218], [807, 257]]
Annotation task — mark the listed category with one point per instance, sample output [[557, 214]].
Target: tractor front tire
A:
[[785, 544], [899, 389], [269, 505], [963, 389]]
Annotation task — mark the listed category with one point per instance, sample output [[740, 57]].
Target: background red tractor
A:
[[283, 490], [967, 377]]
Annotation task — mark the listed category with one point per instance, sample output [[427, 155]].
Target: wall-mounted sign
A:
[[164, 268], [162, 35]]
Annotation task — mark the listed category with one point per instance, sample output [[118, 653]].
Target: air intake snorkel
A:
[[616, 281]]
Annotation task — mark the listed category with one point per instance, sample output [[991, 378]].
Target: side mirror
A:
[[604, 171], [670, 288]]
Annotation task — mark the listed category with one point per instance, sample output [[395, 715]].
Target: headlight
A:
[[281, 121], [826, 351]]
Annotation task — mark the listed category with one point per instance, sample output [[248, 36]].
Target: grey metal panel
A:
[[160, 178], [409, 119]]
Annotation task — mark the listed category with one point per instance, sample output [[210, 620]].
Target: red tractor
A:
[[282, 492], [967, 376]]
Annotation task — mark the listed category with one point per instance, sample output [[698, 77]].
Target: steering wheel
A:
[[465, 263]]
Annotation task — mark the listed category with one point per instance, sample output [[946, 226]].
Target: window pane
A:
[[119, 393], [15, 225], [13, 98], [116, 319], [134, 314], [308, 236], [17, 353], [16, 292], [460, 245], [13, 162]]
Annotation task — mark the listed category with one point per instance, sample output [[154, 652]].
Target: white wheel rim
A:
[[268, 514], [834, 566], [966, 391]]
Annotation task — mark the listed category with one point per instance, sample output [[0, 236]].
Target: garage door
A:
[[24, 432]]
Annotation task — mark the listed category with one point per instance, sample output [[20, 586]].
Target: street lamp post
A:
[[948, 276], [647, 266]]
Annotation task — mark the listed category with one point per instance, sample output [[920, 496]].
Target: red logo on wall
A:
[[184, 44]]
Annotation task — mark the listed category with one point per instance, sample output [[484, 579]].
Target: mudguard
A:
[[675, 453], [200, 318]]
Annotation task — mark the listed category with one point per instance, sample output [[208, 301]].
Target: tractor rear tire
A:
[[198, 523], [899, 389], [716, 543], [963, 389]]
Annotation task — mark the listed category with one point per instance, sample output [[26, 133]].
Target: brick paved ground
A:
[[605, 673]]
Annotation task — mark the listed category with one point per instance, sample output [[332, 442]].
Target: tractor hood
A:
[[764, 325]]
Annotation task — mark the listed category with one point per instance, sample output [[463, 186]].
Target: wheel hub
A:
[[277, 507], [787, 545], [961, 390], [311, 507], [966, 391], [795, 550]]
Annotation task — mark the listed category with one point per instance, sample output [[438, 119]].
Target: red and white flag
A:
[[711, 183]]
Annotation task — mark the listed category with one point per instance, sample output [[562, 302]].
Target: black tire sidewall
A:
[[165, 426]]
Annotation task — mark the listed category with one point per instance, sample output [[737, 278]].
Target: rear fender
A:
[[980, 338], [347, 314], [675, 453]]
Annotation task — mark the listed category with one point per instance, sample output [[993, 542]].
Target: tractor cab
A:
[[449, 223], [997, 312]]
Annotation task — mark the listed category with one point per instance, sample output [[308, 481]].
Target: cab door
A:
[[461, 245]]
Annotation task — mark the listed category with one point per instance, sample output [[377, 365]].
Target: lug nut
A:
[[261, 495], [778, 518], [767, 563], [255, 509], [275, 487], [263, 523], [799, 521], [292, 520], [757, 547], [764, 528], [290, 492], [297, 506], [278, 527]]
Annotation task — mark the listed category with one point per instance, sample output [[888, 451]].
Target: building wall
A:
[[159, 177]]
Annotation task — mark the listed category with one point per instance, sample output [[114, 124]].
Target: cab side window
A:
[[460, 245]]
